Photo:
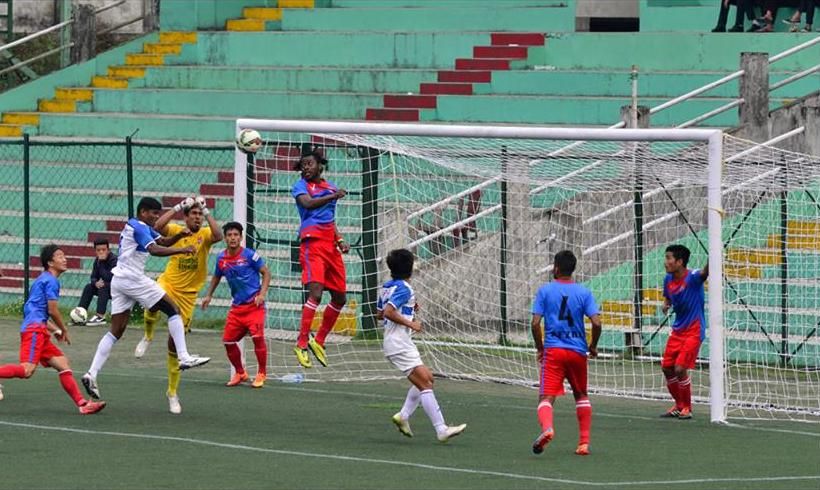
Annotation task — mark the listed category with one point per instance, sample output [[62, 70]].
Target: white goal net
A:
[[485, 209]]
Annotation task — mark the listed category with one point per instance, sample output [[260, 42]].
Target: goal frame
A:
[[712, 137]]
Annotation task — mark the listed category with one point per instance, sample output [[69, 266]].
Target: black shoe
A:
[[719, 29], [737, 28]]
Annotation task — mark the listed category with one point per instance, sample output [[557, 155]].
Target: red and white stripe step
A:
[[504, 48]]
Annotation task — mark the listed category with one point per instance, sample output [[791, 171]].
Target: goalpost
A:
[[485, 208]]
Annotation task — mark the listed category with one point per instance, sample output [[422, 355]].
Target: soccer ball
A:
[[249, 141], [79, 315]]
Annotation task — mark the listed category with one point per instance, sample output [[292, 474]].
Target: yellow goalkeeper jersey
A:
[[187, 273]]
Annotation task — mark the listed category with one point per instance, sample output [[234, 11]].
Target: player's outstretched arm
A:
[[211, 289], [216, 231], [158, 250], [392, 314]]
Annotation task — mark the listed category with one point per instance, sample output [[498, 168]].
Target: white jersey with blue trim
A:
[[134, 241], [398, 338]]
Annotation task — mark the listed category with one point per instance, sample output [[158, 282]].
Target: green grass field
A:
[[339, 435]]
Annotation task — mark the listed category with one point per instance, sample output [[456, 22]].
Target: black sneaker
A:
[[719, 29], [737, 28]]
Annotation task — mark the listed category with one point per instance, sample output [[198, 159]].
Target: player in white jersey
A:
[[397, 307], [130, 285]]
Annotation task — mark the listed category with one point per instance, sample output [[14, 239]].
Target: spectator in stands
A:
[[806, 7], [467, 208], [766, 23], [744, 7], [100, 284]]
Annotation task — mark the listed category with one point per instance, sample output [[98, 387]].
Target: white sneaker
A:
[[402, 424], [451, 432], [90, 385], [192, 362], [96, 321], [1, 392], [174, 406], [141, 348]]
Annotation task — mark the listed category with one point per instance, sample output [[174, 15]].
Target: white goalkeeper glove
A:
[[185, 204], [200, 201]]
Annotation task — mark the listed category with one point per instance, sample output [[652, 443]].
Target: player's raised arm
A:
[[162, 222], [158, 250], [216, 231]]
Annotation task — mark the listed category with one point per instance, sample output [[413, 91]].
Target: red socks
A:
[[234, 356], [260, 348], [545, 415], [308, 312], [685, 392], [12, 371], [674, 389], [70, 387], [583, 410], [328, 320]]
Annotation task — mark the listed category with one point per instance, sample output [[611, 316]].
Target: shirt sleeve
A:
[[590, 306], [380, 301], [696, 277], [299, 188], [256, 260], [400, 297], [538, 303], [145, 236], [665, 288], [52, 290]]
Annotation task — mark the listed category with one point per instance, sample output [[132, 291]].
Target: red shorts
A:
[[322, 262], [559, 364], [36, 346], [242, 320], [682, 348]]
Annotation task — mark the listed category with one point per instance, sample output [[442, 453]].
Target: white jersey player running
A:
[[130, 285]]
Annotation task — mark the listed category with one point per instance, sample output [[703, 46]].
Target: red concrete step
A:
[[280, 164], [510, 52], [465, 76], [410, 101], [482, 64], [111, 236], [404, 115], [19, 273], [73, 262], [11, 283], [81, 250], [519, 38], [447, 88], [217, 189], [227, 177]]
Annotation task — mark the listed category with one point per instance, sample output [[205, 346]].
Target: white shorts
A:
[[127, 291], [405, 361]]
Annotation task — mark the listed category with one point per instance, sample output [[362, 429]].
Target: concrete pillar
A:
[[150, 12], [83, 33], [754, 89], [643, 116], [520, 241]]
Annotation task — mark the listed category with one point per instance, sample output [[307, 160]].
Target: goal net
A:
[[485, 209]]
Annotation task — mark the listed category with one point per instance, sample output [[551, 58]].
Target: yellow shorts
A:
[[186, 302]]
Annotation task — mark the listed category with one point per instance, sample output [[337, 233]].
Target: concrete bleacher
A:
[[516, 62]]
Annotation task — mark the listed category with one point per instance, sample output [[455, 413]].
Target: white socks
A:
[[177, 330], [103, 351], [433, 411], [411, 403]]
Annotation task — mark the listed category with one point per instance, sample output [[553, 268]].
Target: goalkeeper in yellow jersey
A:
[[183, 277]]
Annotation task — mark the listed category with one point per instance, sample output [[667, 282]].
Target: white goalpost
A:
[[484, 208]]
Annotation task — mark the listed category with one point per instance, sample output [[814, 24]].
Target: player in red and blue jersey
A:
[[241, 267], [320, 254], [41, 318], [683, 292], [562, 347]]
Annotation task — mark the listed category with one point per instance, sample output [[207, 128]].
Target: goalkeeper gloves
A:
[[200, 201], [185, 204]]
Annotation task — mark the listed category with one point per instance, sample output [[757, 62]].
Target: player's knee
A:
[[669, 372], [168, 308], [28, 370], [680, 371]]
